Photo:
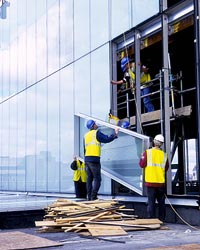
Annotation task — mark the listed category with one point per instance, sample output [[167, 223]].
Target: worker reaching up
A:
[[92, 151], [129, 81]]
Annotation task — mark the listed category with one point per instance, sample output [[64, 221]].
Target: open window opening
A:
[[182, 96]]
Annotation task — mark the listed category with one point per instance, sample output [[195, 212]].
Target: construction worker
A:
[[92, 151], [113, 119], [155, 164], [129, 81], [80, 178]]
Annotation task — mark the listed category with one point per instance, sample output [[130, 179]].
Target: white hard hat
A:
[[159, 138]]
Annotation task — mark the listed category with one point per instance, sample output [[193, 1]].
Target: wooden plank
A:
[[49, 224], [155, 115], [90, 219], [60, 221], [152, 226], [106, 231]]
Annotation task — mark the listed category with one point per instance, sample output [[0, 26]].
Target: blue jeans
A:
[[147, 100], [93, 170]]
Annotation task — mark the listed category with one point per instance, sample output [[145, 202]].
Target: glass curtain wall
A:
[[54, 62]]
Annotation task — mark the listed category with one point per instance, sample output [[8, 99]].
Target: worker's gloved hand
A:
[[116, 131]]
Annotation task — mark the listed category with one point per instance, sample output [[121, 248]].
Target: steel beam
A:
[[166, 102], [197, 72]]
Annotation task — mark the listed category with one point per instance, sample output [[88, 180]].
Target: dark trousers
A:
[[93, 170], [153, 194], [147, 100], [80, 189]]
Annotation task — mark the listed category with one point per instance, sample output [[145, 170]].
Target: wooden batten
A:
[[156, 115]]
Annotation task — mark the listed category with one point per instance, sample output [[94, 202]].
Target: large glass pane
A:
[[82, 85], [140, 12], [66, 129], [53, 133], [41, 137], [13, 60], [21, 19], [100, 83], [41, 40], [5, 147], [120, 16], [66, 32], [21, 142], [13, 144], [31, 43], [53, 37], [81, 28], [121, 167], [99, 22], [31, 139], [6, 75]]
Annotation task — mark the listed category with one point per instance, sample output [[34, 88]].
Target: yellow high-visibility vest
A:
[[144, 78], [80, 172], [92, 146], [155, 169]]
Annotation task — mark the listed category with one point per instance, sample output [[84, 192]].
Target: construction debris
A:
[[96, 218]]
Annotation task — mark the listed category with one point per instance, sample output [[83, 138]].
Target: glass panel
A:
[[13, 144], [41, 40], [99, 23], [81, 23], [31, 139], [82, 85], [53, 38], [21, 20], [140, 12], [100, 83], [120, 17], [66, 32], [121, 167], [53, 133], [31, 43], [21, 141], [66, 129], [5, 146], [41, 137]]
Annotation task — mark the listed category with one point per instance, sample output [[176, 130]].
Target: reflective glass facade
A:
[[54, 63]]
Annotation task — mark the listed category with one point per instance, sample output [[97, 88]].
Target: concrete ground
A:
[[172, 235], [18, 212]]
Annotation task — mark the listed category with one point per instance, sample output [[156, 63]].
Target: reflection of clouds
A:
[[32, 44]]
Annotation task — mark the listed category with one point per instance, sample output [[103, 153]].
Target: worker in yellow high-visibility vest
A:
[[128, 81], [155, 164], [92, 151], [80, 178]]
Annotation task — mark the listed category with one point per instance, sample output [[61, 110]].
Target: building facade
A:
[[57, 59]]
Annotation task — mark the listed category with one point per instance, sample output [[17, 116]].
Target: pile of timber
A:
[[96, 218]]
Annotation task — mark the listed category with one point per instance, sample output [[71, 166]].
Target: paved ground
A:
[[174, 235]]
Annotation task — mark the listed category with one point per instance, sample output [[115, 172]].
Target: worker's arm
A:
[[143, 160], [106, 138], [167, 165], [117, 82]]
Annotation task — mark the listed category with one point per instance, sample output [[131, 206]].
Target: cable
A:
[[179, 215]]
